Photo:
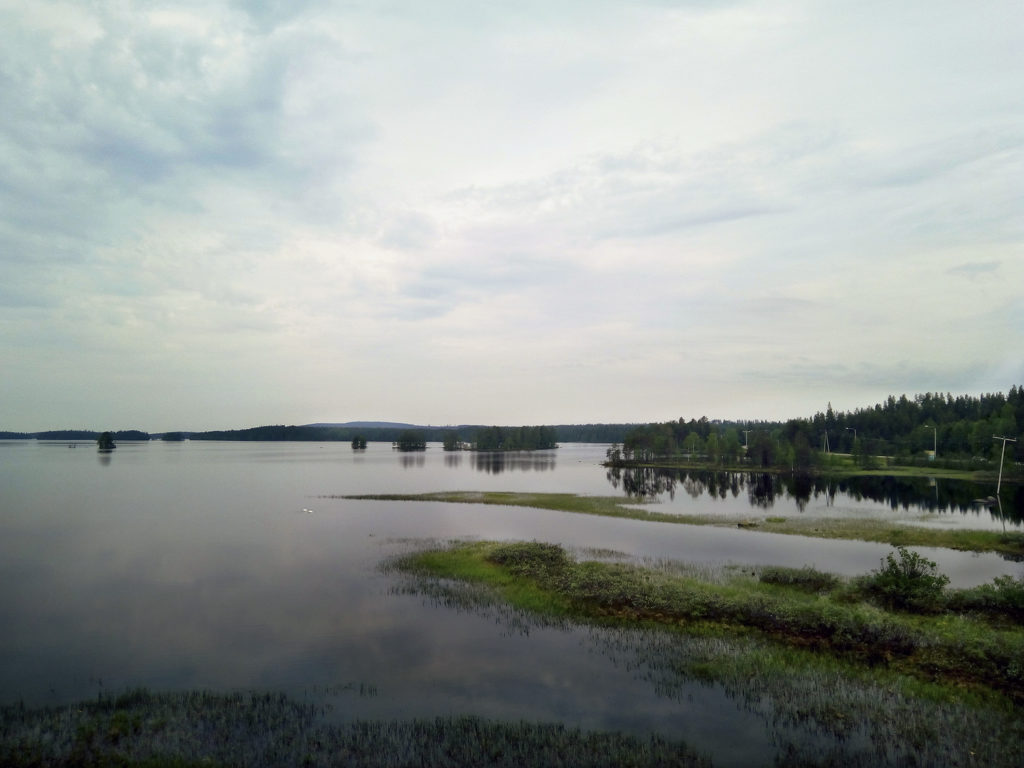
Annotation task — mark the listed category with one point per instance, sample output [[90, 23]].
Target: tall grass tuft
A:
[[268, 729], [807, 579]]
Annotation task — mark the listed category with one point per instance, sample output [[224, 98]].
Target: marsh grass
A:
[[818, 708], [820, 711], [807, 578], [956, 650], [183, 730], [1001, 601], [1005, 543]]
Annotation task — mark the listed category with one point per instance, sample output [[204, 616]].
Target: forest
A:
[[939, 428], [953, 428], [514, 439]]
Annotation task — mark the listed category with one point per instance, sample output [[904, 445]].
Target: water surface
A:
[[221, 566]]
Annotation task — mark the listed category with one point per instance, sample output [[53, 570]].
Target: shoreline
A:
[[1010, 545]]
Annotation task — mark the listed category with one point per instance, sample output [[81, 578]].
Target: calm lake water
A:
[[222, 566]]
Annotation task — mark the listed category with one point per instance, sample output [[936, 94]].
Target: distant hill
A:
[[365, 425], [374, 431]]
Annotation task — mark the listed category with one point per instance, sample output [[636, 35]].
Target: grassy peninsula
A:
[[1004, 543], [900, 617], [886, 669]]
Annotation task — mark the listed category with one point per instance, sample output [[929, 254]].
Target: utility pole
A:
[[1001, 452]]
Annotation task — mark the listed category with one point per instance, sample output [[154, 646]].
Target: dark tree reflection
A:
[[764, 489], [761, 489], [495, 462], [644, 482]]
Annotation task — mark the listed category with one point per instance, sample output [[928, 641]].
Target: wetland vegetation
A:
[[891, 667], [182, 730], [899, 616], [887, 669], [1009, 543]]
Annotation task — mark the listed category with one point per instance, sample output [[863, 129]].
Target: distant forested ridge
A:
[[592, 433], [515, 439], [956, 427], [943, 428], [513, 436], [90, 435]]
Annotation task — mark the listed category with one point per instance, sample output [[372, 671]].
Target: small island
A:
[[411, 440], [105, 442]]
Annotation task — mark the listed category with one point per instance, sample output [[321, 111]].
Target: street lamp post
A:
[[1005, 440]]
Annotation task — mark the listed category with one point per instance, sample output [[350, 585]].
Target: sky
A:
[[222, 214]]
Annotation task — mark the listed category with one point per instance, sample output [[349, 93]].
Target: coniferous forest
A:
[[932, 426]]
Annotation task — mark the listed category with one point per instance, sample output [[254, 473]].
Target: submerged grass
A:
[[835, 682], [801, 609], [1004, 543], [182, 730]]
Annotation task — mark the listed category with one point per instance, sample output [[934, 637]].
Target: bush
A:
[[530, 559], [1003, 598], [807, 579], [908, 581]]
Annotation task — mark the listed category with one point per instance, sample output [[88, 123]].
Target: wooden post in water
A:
[[1005, 440]]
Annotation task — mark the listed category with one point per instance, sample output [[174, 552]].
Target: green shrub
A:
[[908, 581], [530, 558], [1003, 599], [807, 579]]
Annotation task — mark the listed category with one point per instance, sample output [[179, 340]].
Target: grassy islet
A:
[[1010, 544]]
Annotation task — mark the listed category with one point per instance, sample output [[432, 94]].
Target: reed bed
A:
[[914, 699], [141, 728]]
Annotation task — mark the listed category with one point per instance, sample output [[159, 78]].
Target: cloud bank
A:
[[221, 214]]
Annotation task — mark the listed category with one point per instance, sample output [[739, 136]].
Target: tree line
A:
[[954, 430], [90, 435], [565, 433], [514, 439]]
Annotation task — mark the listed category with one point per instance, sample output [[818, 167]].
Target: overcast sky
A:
[[222, 214]]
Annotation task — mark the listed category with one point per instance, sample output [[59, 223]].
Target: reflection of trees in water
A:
[[801, 490], [644, 482], [452, 459], [410, 460], [934, 495], [494, 462], [763, 489]]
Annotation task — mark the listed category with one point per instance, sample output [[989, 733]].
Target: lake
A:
[[223, 566]]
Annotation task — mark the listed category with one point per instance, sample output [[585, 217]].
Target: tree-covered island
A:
[[933, 431]]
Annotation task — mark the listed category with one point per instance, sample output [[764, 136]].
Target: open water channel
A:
[[223, 566]]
